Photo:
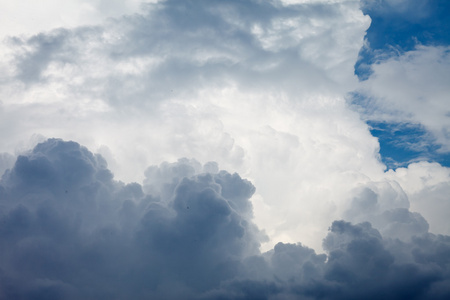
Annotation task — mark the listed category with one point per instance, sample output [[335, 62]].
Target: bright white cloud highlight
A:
[[258, 87], [31, 17]]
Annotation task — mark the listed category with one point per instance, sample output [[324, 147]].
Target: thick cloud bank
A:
[[70, 231], [257, 86]]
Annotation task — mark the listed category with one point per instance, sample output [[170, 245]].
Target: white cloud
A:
[[29, 17], [256, 86], [427, 186], [413, 87]]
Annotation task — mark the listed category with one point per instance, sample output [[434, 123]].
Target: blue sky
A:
[[398, 27], [401, 144], [211, 149]]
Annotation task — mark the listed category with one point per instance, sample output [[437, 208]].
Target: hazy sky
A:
[[330, 121]]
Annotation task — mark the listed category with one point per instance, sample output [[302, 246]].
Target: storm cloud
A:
[[298, 100], [70, 231], [256, 86]]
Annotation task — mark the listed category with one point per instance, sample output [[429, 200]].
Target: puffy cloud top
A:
[[259, 87], [70, 231]]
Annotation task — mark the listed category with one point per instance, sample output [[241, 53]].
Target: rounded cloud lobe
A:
[[258, 86], [67, 223], [70, 231]]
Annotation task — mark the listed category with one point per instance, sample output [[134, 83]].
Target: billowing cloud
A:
[[257, 86], [261, 89], [70, 231], [409, 90], [427, 186]]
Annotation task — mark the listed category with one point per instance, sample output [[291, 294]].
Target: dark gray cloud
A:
[[70, 231], [385, 206]]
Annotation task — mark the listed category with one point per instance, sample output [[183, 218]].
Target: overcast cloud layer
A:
[[264, 89]]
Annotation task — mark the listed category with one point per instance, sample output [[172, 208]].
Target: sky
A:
[[237, 149]]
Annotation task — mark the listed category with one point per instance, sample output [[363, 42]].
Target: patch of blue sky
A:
[[400, 143], [405, 143], [398, 26]]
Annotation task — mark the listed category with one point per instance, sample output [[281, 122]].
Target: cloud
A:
[[27, 17], [360, 264], [426, 186], [6, 161], [410, 10], [359, 256], [134, 59], [410, 88], [70, 231], [73, 231], [385, 205], [258, 87]]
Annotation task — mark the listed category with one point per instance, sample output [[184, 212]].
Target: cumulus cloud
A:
[[412, 88], [70, 231], [257, 86], [427, 186], [385, 205]]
